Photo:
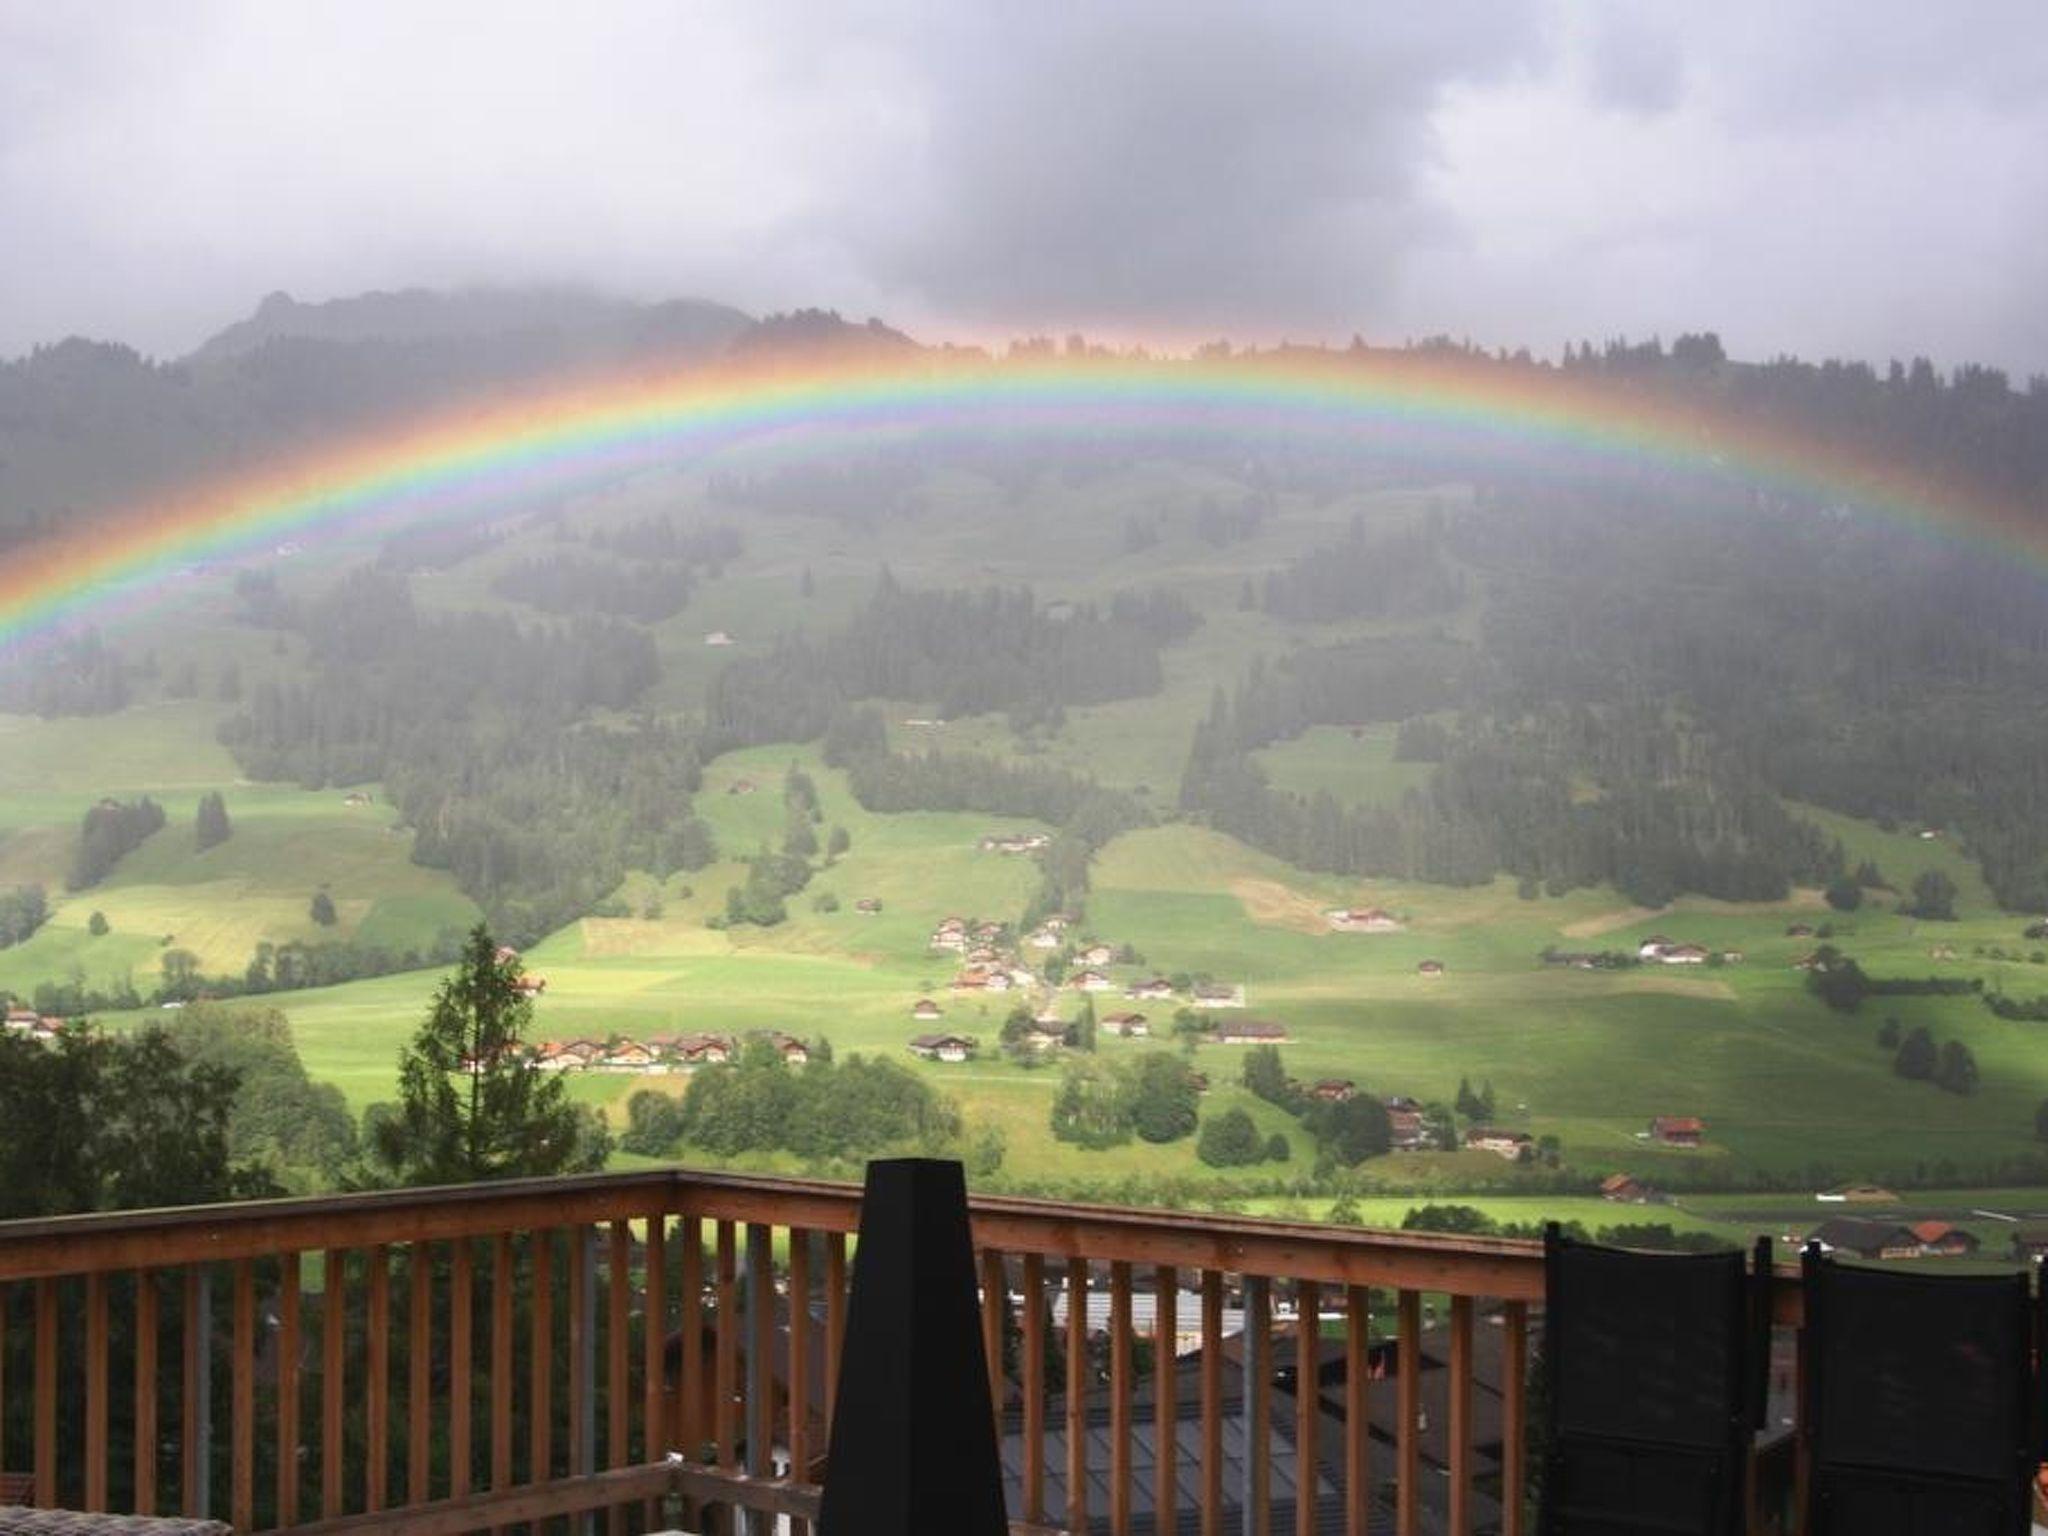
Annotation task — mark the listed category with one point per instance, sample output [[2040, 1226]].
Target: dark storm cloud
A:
[[1850, 176]]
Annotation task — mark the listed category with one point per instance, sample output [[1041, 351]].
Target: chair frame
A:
[[1748, 1322], [2031, 1438]]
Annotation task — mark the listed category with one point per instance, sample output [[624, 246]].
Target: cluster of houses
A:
[[1866, 1239], [1658, 950], [657, 1053], [25, 1021], [990, 964]]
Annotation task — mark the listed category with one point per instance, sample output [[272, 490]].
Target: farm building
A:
[[1508, 1144], [1938, 1239], [1251, 1032], [925, 1008], [1678, 1130], [950, 1048], [1866, 1239], [1130, 1025], [1363, 920]]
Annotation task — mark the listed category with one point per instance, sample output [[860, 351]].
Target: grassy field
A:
[[1784, 1085], [1790, 1092], [257, 887]]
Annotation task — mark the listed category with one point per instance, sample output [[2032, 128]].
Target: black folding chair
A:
[[1656, 1368], [1920, 1406]]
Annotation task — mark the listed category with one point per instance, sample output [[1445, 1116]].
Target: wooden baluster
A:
[[333, 1322], [1076, 1516], [1408, 1415], [1212, 1402], [800, 1349], [1357, 1410], [835, 1318], [618, 1407], [146, 1316], [1032, 1360], [654, 1440], [540, 1254], [46, 1395], [288, 1390], [995, 1303], [461, 1347], [1258, 1405], [96, 1392], [1165, 1397], [760, 1420], [377, 1389], [1514, 1393], [419, 1359], [1120, 1398], [1459, 1413], [196, 1429], [1308, 1361], [691, 1430], [6, 1296], [242, 1400], [582, 1357], [725, 1348], [504, 1282]]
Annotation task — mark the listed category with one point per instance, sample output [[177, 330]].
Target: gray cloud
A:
[[1850, 176], [1177, 164]]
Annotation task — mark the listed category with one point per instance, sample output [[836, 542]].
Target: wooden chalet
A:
[[1678, 1130]]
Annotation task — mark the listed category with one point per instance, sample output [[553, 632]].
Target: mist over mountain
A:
[[587, 325]]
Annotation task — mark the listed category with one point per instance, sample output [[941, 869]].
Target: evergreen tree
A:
[[1917, 1058], [469, 1108], [1934, 896], [1957, 1072], [210, 826], [799, 839], [2041, 1121], [321, 909], [1468, 1102], [1081, 1033], [97, 925], [1266, 1075]]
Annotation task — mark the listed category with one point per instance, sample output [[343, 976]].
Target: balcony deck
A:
[[662, 1346]]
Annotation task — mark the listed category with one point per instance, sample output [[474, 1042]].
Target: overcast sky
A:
[[1829, 177]]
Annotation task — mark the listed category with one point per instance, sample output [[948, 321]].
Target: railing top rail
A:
[[126, 1240]]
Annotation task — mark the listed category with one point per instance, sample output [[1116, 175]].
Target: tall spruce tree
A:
[[469, 1107], [210, 826]]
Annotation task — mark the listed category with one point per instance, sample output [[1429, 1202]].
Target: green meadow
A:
[[1793, 1095]]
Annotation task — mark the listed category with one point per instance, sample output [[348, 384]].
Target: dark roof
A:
[[1381, 1404], [1852, 1234]]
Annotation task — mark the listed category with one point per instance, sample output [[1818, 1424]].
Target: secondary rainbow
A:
[[469, 461]]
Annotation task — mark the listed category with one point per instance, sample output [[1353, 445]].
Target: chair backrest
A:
[[1919, 1407], [1654, 1369]]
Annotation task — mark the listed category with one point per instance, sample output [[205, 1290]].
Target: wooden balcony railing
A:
[[490, 1356]]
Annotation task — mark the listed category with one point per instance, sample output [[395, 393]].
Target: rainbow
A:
[[469, 461]]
